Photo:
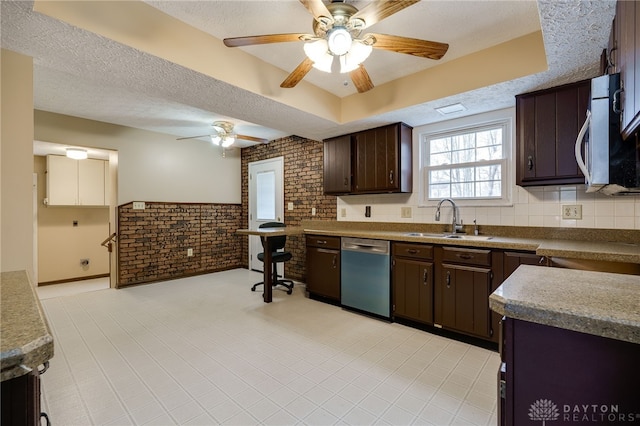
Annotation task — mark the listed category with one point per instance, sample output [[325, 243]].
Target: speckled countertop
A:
[[588, 244], [598, 303], [26, 341]]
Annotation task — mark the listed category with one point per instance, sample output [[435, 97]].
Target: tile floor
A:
[[205, 350]]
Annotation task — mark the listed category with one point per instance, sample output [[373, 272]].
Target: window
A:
[[467, 163]]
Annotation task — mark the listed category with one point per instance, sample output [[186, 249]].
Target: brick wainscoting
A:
[[153, 242], [302, 187]]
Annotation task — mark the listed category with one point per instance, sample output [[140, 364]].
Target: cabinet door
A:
[[91, 182], [465, 295], [413, 290], [547, 124], [323, 272], [62, 181], [337, 165], [377, 160], [514, 259]]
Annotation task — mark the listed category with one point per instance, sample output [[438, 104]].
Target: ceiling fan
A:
[[224, 135], [337, 29]]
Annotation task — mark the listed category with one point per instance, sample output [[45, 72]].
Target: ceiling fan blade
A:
[[297, 74], [252, 138], [361, 79], [193, 137], [317, 8], [378, 10], [264, 39], [410, 46]]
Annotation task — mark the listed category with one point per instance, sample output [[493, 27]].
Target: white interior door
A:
[[266, 202]]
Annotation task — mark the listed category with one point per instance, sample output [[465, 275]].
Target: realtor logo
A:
[[545, 410]]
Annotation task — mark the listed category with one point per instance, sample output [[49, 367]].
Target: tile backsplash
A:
[[532, 206]]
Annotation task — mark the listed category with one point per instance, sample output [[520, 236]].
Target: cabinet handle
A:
[[334, 263], [391, 177], [530, 163], [321, 242], [412, 251], [448, 279], [464, 256], [45, 367], [425, 275], [346, 181], [616, 101], [541, 261]]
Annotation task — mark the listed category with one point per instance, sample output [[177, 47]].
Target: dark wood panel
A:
[[323, 272], [545, 139], [415, 251], [323, 241]]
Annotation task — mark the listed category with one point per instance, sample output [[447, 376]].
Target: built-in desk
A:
[[265, 235]]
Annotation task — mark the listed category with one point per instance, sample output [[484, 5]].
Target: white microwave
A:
[[610, 165]]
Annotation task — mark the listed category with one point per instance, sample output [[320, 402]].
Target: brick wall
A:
[[302, 187], [153, 242]]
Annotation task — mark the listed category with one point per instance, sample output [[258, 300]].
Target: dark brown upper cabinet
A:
[[369, 162], [547, 125], [624, 54], [337, 165]]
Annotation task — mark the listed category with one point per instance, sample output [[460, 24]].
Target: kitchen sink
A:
[[468, 237], [450, 236], [424, 234]]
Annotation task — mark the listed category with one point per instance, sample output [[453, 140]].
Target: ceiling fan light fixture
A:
[[77, 153], [339, 41], [228, 141], [318, 52], [358, 53], [216, 139]]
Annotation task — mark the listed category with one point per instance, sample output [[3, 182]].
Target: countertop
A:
[[598, 303], [26, 339], [608, 251]]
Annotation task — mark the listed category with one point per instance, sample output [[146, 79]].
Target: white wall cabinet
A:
[[75, 182]]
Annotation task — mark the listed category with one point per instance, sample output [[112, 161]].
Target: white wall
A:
[[531, 206], [152, 166], [16, 154]]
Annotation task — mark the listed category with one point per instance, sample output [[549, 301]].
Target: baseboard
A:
[[68, 280]]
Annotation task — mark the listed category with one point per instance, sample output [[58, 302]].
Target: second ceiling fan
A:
[[338, 28]]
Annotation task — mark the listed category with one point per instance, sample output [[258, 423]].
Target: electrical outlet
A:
[[189, 252], [313, 211], [343, 212], [573, 211], [138, 205], [405, 212], [290, 206]]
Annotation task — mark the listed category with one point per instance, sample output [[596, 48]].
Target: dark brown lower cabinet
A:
[[465, 295], [564, 377], [412, 282], [413, 290], [21, 400], [323, 266]]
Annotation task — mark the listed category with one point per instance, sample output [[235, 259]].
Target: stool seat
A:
[[276, 257]]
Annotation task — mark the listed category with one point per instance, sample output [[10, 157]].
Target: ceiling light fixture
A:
[[77, 153], [450, 109]]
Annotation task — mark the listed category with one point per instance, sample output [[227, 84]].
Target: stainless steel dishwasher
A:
[[365, 277]]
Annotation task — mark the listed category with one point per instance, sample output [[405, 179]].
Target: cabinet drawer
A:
[[322, 241], [413, 251], [466, 256]]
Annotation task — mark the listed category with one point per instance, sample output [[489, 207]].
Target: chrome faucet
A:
[[455, 226]]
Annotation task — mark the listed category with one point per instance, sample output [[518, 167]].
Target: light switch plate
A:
[[290, 206], [313, 211], [405, 212], [138, 205]]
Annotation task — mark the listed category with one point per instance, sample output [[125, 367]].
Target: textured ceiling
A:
[[80, 73]]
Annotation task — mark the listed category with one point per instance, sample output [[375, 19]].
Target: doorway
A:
[[67, 238], [266, 202]]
